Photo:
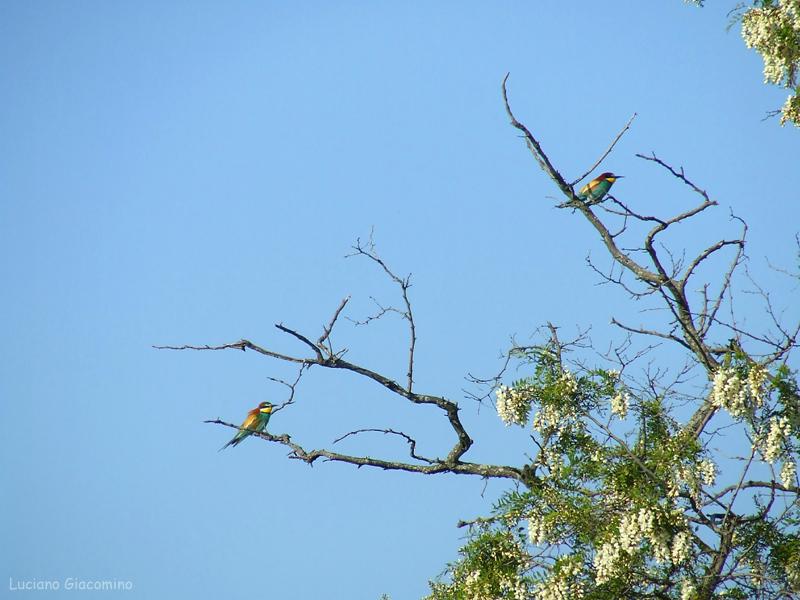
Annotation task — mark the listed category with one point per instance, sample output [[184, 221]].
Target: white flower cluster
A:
[[756, 378], [779, 430], [674, 486], [736, 396], [472, 578], [606, 561], [636, 528], [788, 472], [707, 471], [514, 588], [692, 476], [774, 32], [763, 29], [537, 531], [613, 500], [511, 585], [790, 111], [568, 381], [474, 588], [563, 586], [688, 591], [513, 404], [552, 417], [729, 392], [793, 574], [553, 458], [681, 547], [620, 404]]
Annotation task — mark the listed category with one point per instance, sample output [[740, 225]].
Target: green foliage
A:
[[614, 500], [785, 560], [784, 382], [491, 566], [624, 498]]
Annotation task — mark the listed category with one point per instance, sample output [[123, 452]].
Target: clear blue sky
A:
[[194, 172]]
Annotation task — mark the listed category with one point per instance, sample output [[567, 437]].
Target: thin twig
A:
[[407, 314], [411, 441], [326, 332], [608, 151]]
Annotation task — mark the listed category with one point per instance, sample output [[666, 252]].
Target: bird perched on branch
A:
[[598, 187], [256, 421]]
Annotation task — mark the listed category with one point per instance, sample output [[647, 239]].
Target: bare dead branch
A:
[[708, 252], [407, 314], [629, 212], [326, 332], [574, 202], [382, 310], [618, 281], [450, 408], [608, 150], [311, 456], [651, 332], [241, 345], [302, 338], [536, 149], [677, 173], [292, 387], [412, 443], [490, 383], [662, 278], [707, 317]]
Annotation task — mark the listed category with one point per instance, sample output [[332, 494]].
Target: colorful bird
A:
[[256, 420], [598, 187]]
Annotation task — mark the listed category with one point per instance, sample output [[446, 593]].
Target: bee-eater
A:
[[598, 187], [256, 420]]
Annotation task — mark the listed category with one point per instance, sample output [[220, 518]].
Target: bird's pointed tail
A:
[[233, 443]]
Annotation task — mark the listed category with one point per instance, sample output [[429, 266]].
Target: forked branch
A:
[[666, 277], [323, 354], [433, 467]]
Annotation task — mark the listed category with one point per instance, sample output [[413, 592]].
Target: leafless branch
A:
[[707, 317], [490, 383], [326, 332], [412, 443], [241, 345], [382, 310], [679, 173], [291, 385], [332, 360], [671, 289], [652, 332], [310, 456], [407, 314], [608, 150]]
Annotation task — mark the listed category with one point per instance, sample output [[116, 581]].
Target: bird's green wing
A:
[[252, 423], [594, 189]]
